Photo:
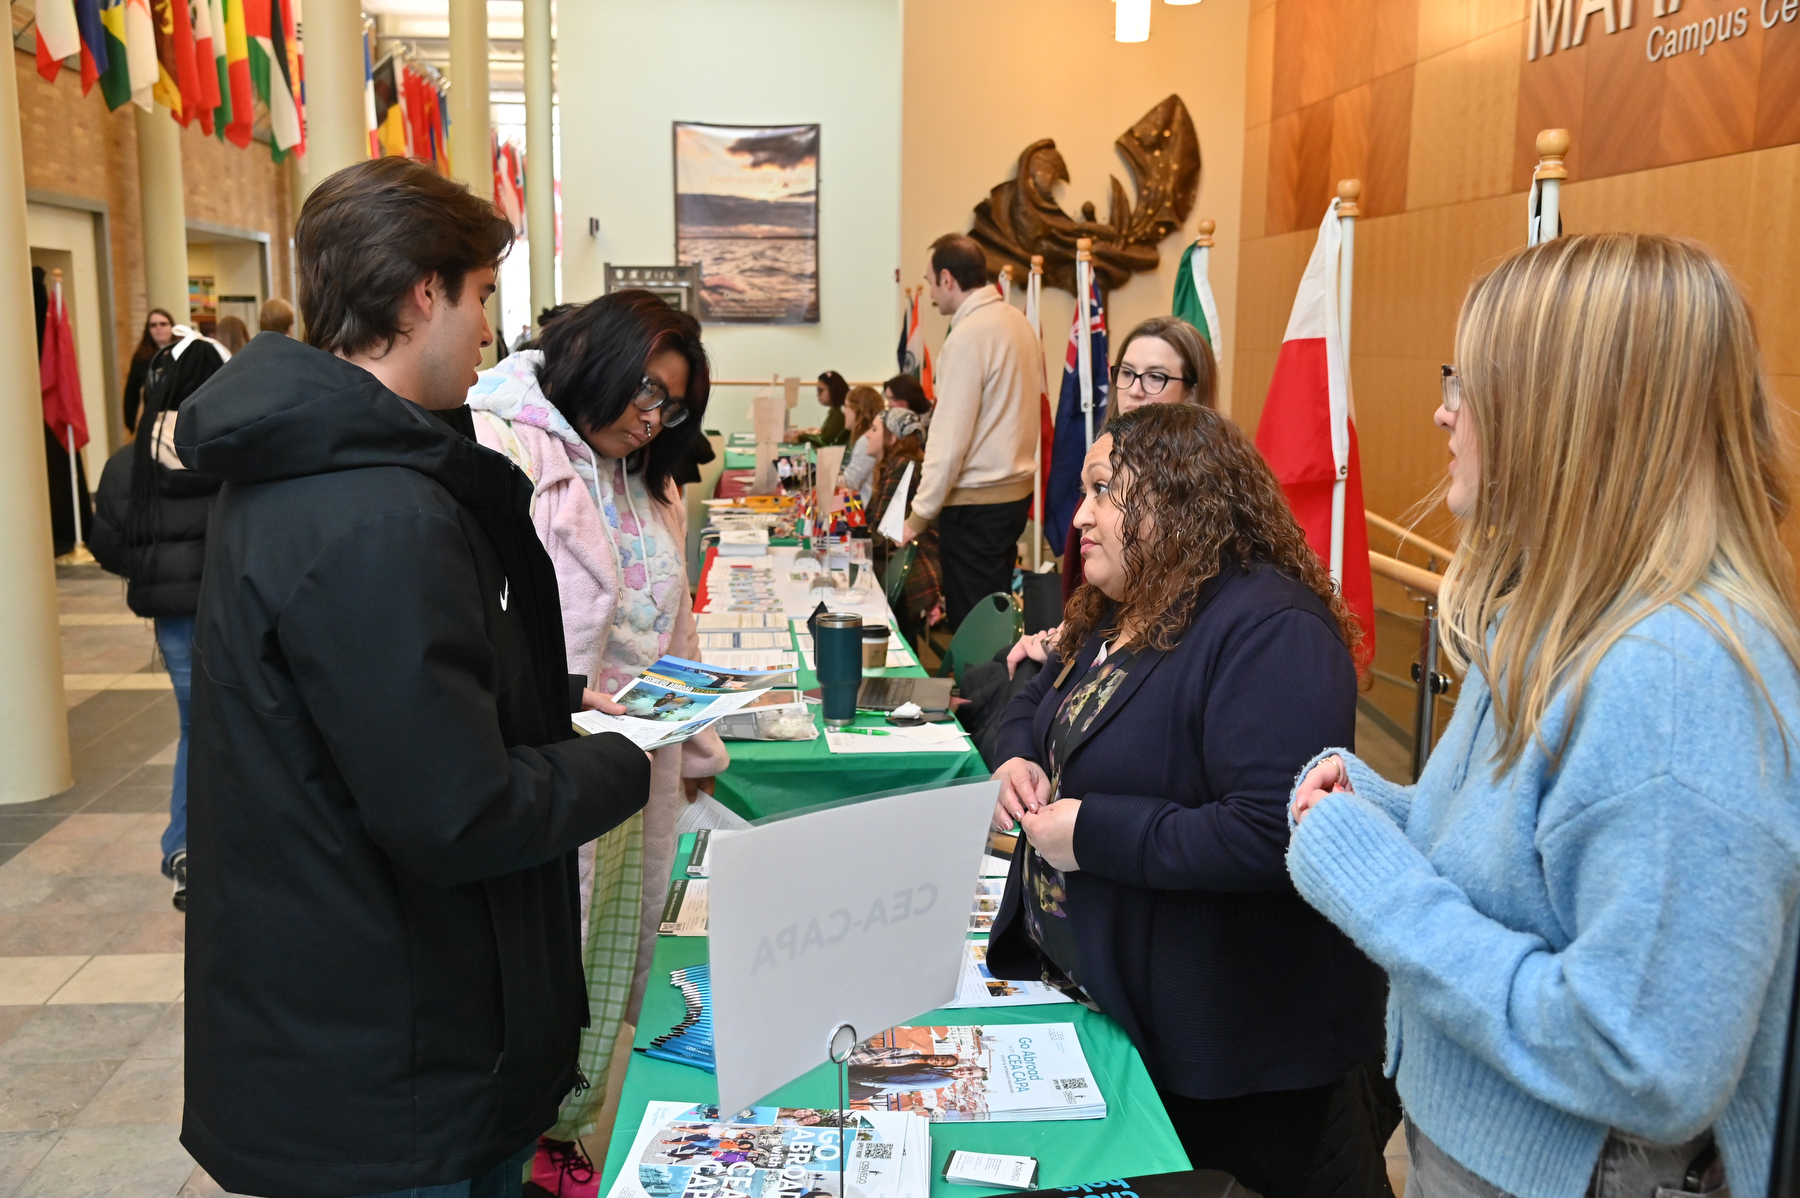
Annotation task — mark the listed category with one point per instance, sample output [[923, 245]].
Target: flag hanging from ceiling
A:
[[1062, 486], [268, 29], [1194, 298], [1308, 437], [58, 36], [115, 77], [94, 58], [369, 95], [241, 121], [200, 15], [58, 377], [141, 54], [186, 61], [219, 66]]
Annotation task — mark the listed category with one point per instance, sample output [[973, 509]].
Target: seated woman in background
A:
[[832, 391], [1586, 906], [1204, 661], [903, 444], [865, 441], [905, 391], [599, 417]]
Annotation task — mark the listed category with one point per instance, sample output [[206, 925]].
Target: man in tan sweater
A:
[[976, 482]]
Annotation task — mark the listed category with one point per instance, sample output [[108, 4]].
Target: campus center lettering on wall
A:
[[1570, 19], [1647, 83]]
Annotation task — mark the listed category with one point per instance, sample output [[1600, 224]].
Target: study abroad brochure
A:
[[775, 1152], [674, 698], [1015, 1072]]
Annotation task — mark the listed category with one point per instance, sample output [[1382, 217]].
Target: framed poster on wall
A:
[[747, 216]]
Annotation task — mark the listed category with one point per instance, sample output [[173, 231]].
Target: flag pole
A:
[[1084, 348], [1203, 256], [1034, 312], [1349, 191], [56, 291], [1544, 210]]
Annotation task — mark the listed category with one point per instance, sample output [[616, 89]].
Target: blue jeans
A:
[[504, 1180], [175, 638]]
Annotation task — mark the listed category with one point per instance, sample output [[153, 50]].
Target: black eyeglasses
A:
[[1452, 384], [652, 395], [1153, 381]]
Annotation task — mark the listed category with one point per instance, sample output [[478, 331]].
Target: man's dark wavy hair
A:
[[370, 232], [594, 359]]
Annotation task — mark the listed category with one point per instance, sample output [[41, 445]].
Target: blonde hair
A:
[[1628, 462], [865, 406]]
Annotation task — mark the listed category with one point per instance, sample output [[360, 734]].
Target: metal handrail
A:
[[1426, 677], [1406, 574]]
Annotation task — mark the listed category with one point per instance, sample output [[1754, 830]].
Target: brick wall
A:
[[73, 145]]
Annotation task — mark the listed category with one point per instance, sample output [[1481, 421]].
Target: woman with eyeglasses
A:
[[600, 416], [1587, 906]]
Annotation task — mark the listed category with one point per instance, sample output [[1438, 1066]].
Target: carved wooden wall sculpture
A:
[[1021, 216]]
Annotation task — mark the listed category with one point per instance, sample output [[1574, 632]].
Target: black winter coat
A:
[[162, 568], [384, 984], [1189, 931]]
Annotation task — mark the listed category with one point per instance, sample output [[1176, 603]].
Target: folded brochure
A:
[[776, 1152], [675, 698], [1015, 1072]]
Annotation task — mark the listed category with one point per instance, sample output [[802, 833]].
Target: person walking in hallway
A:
[[150, 516], [383, 987], [976, 481]]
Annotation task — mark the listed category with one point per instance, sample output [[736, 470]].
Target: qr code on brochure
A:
[[875, 1152], [1070, 1083]]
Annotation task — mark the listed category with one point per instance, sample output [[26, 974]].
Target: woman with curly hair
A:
[[1204, 661]]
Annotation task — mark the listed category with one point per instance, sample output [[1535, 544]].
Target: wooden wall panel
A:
[[1554, 101], [1464, 105], [1778, 106], [1260, 69], [1709, 102]]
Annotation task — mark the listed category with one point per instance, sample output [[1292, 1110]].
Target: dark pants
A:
[[978, 546], [1322, 1142], [504, 1180]]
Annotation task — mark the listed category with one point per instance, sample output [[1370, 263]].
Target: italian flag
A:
[[1194, 298], [1309, 439]]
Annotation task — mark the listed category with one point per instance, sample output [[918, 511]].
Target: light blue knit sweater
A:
[[1608, 944]]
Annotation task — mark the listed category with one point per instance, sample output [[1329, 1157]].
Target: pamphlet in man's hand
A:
[[676, 698]]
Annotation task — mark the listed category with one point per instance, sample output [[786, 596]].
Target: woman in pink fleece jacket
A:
[[598, 416]]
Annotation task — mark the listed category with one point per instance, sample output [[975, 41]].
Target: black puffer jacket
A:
[[160, 547], [384, 986]]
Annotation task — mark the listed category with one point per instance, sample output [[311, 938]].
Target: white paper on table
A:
[[750, 659], [793, 950], [893, 521], [831, 459], [928, 738]]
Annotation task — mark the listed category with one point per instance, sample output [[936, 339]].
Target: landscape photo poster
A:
[[747, 214]]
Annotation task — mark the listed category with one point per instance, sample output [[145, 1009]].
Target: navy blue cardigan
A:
[[1189, 932]]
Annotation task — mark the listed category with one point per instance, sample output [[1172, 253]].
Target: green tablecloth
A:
[[772, 777], [1134, 1138]]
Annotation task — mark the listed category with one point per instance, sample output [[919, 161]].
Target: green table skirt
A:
[[1134, 1138]]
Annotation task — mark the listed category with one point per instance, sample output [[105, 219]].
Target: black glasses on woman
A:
[[1153, 381], [652, 395]]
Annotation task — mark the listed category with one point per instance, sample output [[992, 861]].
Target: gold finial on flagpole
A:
[[1552, 148], [1037, 264], [1349, 192], [1206, 233], [1084, 249]]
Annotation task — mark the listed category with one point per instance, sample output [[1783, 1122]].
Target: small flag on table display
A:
[[141, 53], [242, 119], [1068, 444], [94, 57], [1306, 433], [58, 36], [1194, 298], [59, 379]]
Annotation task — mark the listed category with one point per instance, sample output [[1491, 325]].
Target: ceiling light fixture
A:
[[1131, 21]]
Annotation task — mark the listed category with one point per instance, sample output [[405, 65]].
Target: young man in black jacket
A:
[[384, 985]]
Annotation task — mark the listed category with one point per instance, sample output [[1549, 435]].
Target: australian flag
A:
[[1062, 490]]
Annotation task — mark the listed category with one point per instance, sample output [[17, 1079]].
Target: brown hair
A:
[[1197, 499], [372, 231], [866, 406], [277, 316], [835, 388], [147, 347], [1629, 462], [909, 391], [232, 333], [963, 257], [1198, 367]]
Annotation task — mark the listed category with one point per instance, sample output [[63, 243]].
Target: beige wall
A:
[[985, 80]]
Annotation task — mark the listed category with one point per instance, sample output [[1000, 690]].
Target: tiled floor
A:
[[90, 948]]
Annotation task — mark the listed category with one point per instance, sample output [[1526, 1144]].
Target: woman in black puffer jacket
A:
[[150, 527]]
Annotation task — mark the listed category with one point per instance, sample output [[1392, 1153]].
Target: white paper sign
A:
[[893, 521], [847, 915]]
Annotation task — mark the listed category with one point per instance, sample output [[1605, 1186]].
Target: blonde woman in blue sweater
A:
[[1586, 906]]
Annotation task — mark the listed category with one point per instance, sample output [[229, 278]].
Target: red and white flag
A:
[[60, 379], [1309, 439]]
